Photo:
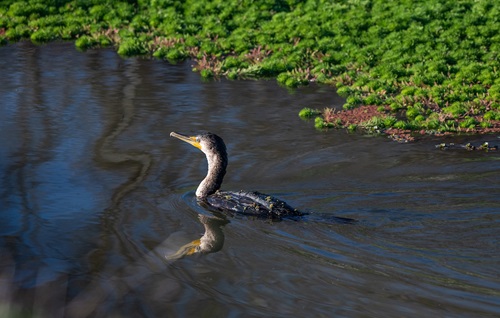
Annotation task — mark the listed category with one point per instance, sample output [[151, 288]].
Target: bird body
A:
[[242, 202], [251, 203]]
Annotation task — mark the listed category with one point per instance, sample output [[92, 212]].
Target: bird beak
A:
[[188, 249], [189, 139], [193, 246]]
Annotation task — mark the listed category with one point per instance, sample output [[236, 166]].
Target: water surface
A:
[[97, 199]]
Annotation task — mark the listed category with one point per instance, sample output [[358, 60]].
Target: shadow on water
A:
[[99, 216]]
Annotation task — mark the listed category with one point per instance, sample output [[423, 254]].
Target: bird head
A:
[[209, 143]]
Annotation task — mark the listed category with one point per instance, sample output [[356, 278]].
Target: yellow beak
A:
[[189, 139], [188, 249], [192, 247]]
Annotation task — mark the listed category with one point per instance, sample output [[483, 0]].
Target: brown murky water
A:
[[97, 202]]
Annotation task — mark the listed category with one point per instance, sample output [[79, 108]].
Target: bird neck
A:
[[216, 170]]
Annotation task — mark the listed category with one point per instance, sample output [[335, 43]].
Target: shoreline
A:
[[426, 68]]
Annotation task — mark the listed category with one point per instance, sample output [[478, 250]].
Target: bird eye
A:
[[197, 139]]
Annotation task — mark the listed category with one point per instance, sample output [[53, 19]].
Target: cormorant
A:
[[241, 202]]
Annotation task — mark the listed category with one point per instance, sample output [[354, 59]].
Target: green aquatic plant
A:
[[44, 35], [389, 121], [492, 115], [17, 33], [170, 54], [131, 47], [456, 109], [411, 58], [29, 9], [469, 122], [291, 79], [431, 124], [378, 123], [308, 112], [352, 127], [207, 73], [486, 124], [85, 42], [401, 124], [319, 123]]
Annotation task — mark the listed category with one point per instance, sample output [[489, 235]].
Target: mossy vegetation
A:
[[428, 65], [309, 112]]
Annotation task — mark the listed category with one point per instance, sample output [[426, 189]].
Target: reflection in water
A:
[[211, 241], [105, 151], [43, 187], [130, 278]]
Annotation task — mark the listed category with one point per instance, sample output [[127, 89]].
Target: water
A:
[[98, 210]]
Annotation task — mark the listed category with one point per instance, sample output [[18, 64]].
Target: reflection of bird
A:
[[211, 241], [243, 202]]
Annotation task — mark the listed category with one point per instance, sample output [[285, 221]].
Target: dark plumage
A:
[[242, 202]]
